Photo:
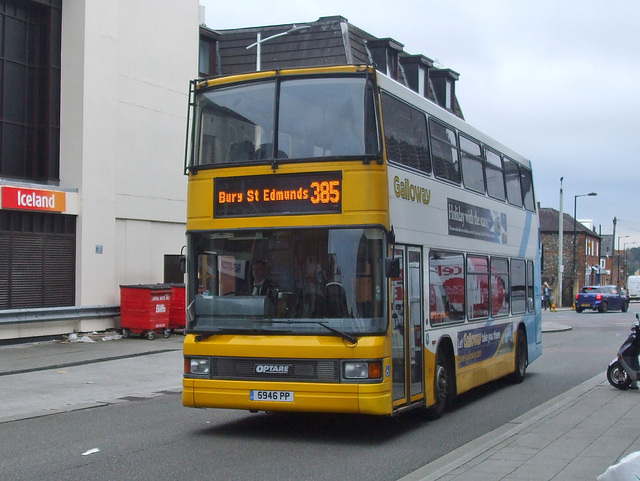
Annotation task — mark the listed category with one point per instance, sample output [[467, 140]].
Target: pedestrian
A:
[[546, 294]]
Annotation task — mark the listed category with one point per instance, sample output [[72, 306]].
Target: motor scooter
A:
[[624, 371]]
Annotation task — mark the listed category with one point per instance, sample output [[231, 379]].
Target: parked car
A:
[[601, 298]]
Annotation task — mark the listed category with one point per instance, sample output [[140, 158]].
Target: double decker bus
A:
[[352, 247]]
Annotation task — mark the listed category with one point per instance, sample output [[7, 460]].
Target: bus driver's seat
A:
[[335, 300]]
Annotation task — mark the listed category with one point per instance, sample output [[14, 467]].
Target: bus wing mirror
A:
[[183, 261], [391, 236], [392, 267]]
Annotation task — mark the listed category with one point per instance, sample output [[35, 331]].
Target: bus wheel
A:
[[443, 383], [521, 357]]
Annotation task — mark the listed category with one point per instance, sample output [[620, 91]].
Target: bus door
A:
[[407, 333]]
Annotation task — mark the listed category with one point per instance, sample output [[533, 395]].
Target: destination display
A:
[[286, 194]]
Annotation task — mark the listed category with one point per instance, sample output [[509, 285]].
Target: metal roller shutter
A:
[[4, 269], [59, 267], [37, 260]]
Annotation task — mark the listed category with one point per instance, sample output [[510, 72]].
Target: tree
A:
[[633, 261]]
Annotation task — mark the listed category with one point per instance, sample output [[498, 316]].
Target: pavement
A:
[[575, 436], [42, 378]]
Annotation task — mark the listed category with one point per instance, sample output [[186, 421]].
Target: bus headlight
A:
[[198, 366], [362, 370]]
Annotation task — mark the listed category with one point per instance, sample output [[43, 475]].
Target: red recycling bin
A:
[[145, 309], [177, 314]]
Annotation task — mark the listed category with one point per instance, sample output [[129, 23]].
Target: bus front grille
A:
[[261, 369]]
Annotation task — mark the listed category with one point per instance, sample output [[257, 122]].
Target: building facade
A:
[[92, 128], [616, 261], [581, 254]]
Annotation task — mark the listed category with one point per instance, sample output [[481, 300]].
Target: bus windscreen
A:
[[302, 281], [315, 118]]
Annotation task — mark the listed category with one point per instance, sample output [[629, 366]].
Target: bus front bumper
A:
[[299, 397]]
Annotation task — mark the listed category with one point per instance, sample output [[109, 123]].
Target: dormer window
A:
[[208, 53], [422, 75], [448, 94], [384, 53], [443, 81], [416, 72]]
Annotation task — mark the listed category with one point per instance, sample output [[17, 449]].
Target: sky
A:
[[556, 81]]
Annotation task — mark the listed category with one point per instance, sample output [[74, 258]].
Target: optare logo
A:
[[272, 368]]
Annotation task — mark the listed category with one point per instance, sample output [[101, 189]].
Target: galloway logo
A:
[[272, 368], [408, 191]]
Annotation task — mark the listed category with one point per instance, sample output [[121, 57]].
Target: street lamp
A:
[[560, 245], [621, 237], [575, 207], [259, 41]]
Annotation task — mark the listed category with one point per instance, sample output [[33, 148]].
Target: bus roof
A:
[[386, 83]]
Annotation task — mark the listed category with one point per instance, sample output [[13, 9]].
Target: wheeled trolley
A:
[[144, 310], [177, 312]]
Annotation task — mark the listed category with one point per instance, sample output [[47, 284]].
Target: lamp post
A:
[[259, 41], [575, 208], [560, 245]]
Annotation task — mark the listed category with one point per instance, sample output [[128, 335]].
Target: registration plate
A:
[[585, 305], [278, 396]]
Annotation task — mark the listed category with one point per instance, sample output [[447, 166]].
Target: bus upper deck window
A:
[[234, 122], [338, 118]]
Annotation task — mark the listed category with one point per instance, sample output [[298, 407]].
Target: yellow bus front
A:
[[312, 374]]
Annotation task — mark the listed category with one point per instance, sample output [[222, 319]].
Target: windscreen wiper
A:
[[207, 334], [201, 336], [343, 335]]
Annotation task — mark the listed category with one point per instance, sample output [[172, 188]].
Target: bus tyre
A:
[[521, 357], [443, 384]]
